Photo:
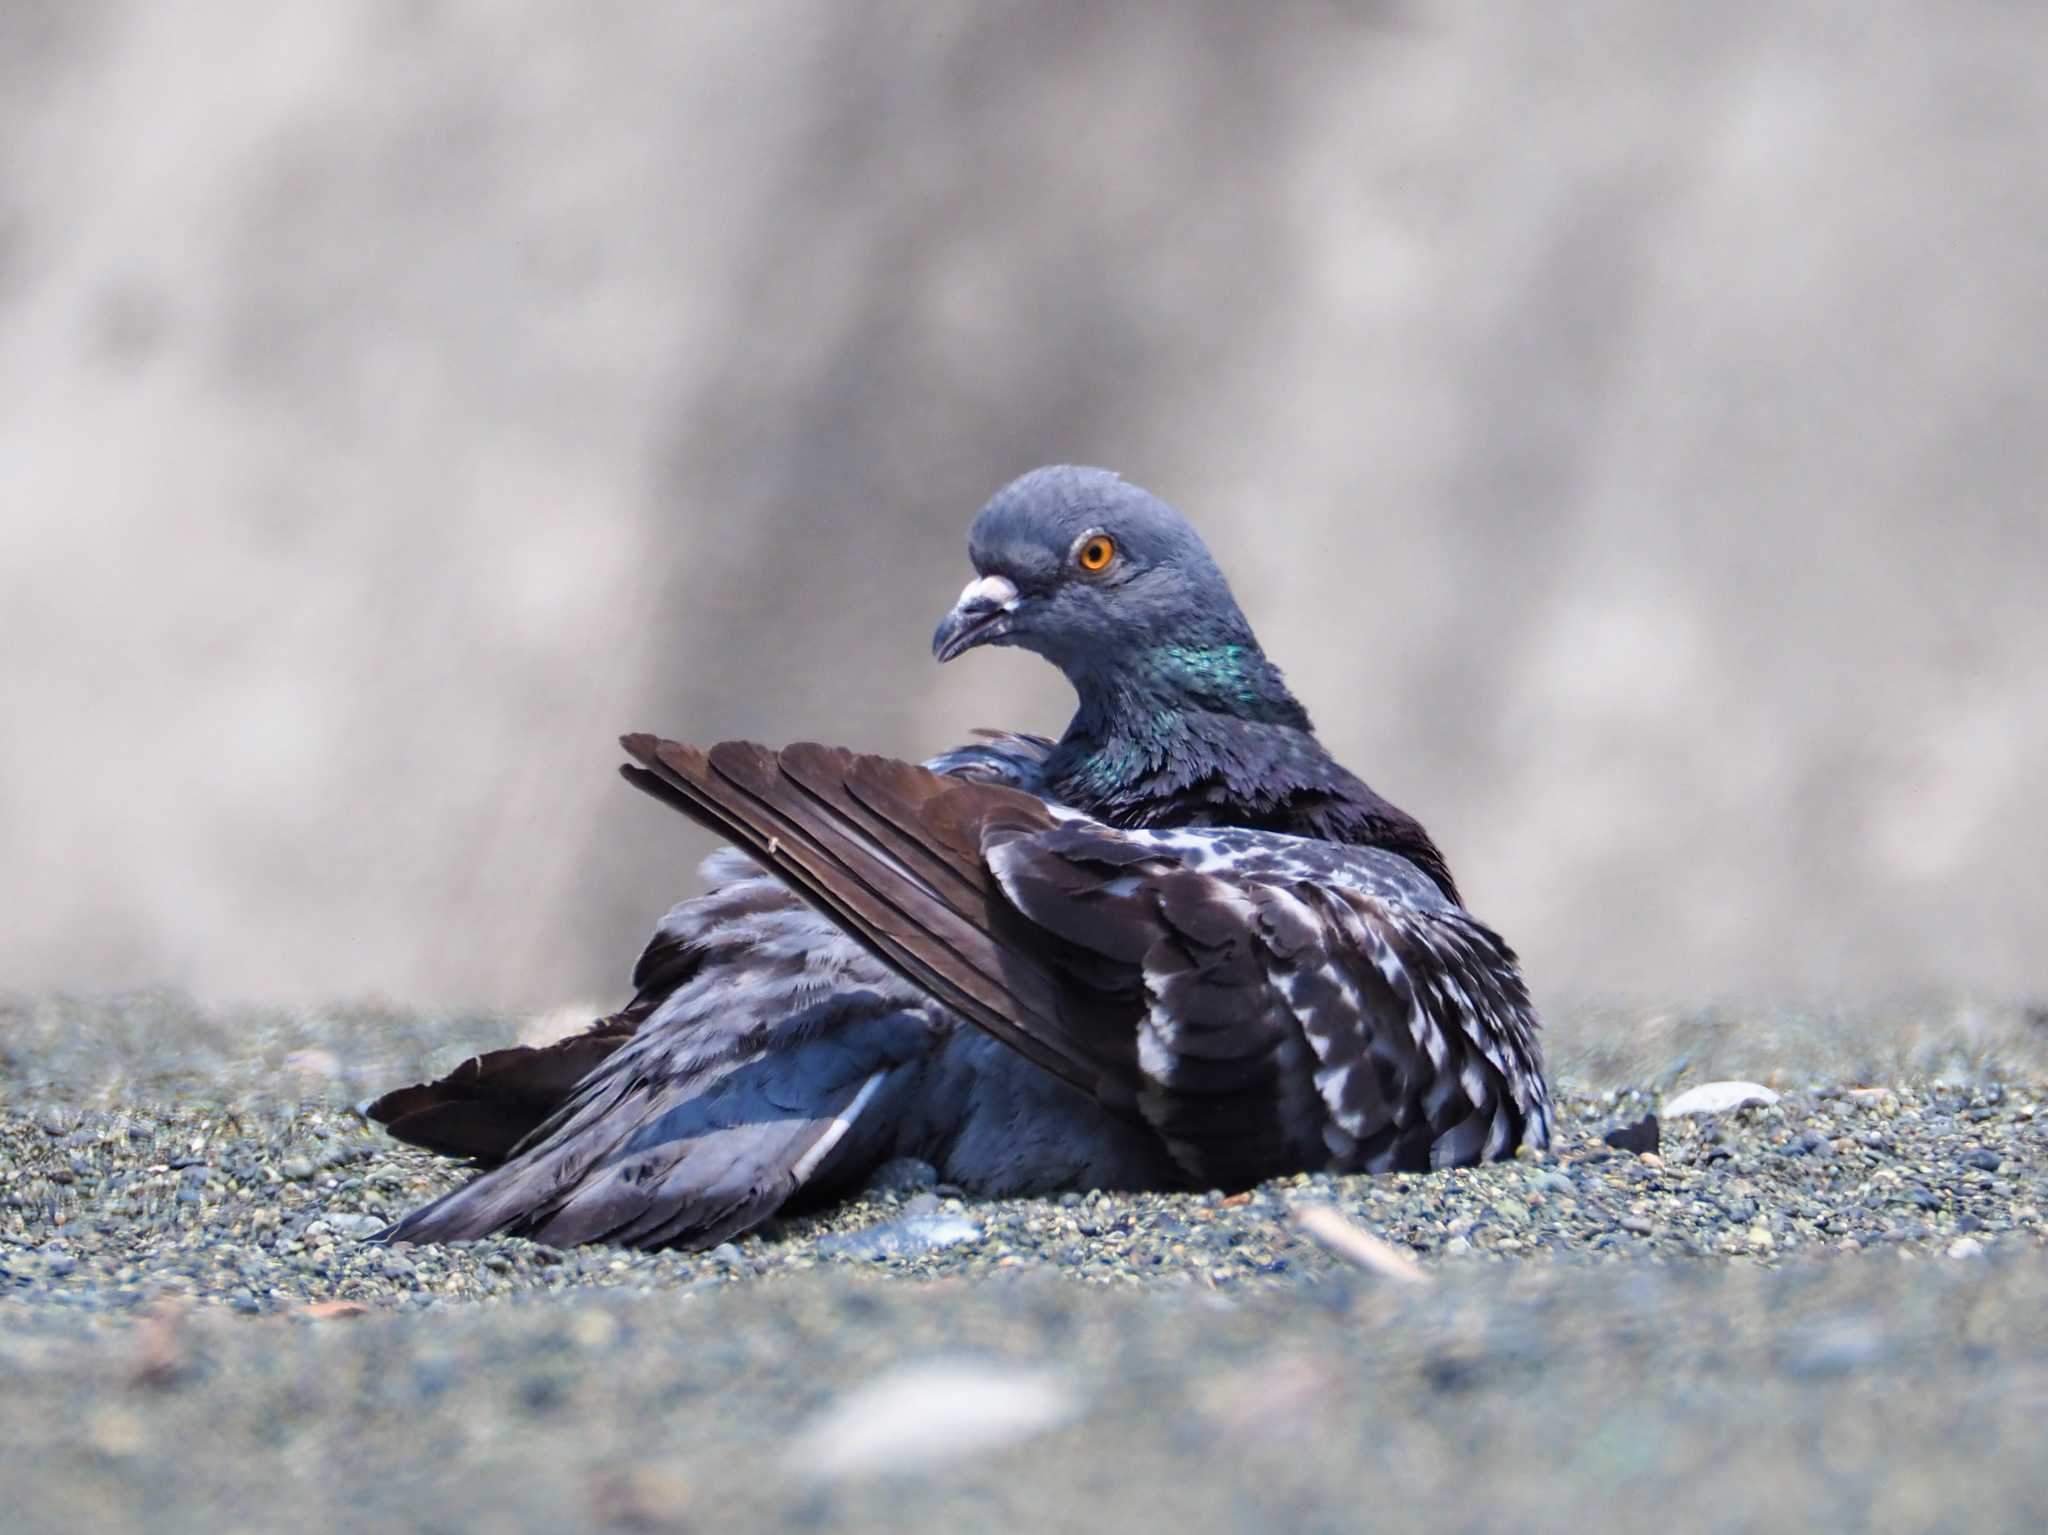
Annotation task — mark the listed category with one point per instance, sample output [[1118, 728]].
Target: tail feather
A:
[[486, 1106]]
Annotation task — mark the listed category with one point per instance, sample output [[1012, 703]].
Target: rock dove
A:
[[1180, 947]]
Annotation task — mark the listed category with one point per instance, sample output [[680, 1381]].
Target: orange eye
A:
[[1095, 553]]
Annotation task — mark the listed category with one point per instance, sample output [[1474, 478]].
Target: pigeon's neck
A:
[[1209, 735], [1158, 694], [1176, 715]]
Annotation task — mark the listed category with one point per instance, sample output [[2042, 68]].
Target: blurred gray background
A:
[[1628, 425]]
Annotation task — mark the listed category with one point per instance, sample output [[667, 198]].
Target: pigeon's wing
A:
[[769, 1064], [1308, 1003], [1266, 1003], [892, 853], [671, 1143], [492, 1103]]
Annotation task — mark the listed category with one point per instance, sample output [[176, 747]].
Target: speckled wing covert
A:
[[1264, 1003]]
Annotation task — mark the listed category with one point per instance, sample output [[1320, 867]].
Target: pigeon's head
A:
[[1093, 574]]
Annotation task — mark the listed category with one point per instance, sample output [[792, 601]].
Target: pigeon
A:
[[1180, 947]]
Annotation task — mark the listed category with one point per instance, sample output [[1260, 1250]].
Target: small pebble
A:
[[908, 1236], [1718, 1098], [904, 1175], [937, 1411]]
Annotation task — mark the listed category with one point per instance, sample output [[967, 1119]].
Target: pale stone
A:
[[924, 1414], [1718, 1098]]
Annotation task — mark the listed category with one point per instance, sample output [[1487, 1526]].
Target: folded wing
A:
[[1265, 1003]]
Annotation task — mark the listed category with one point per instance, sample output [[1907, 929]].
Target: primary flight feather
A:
[[1179, 947]]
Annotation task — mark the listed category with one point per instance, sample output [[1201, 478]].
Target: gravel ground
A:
[[1831, 1309]]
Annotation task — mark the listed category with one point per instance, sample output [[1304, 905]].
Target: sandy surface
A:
[[1828, 1311]]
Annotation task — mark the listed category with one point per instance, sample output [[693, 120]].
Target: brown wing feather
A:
[[886, 849]]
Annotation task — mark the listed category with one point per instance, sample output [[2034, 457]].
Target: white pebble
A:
[[919, 1414], [1717, 1098]]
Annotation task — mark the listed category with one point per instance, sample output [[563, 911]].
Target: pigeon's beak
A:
[[982, 614]]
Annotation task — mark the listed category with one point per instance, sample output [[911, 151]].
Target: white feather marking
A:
[[1154, 1058], [1390, 966], [836, 1131], [1331, 1083], [1474, 1082], [1429, 1037], [1282, 898], [1354, 999]]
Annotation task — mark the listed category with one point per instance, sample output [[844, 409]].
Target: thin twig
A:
[[1348, 1240]]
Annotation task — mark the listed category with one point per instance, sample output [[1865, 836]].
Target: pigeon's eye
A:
[[1095, 553]]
